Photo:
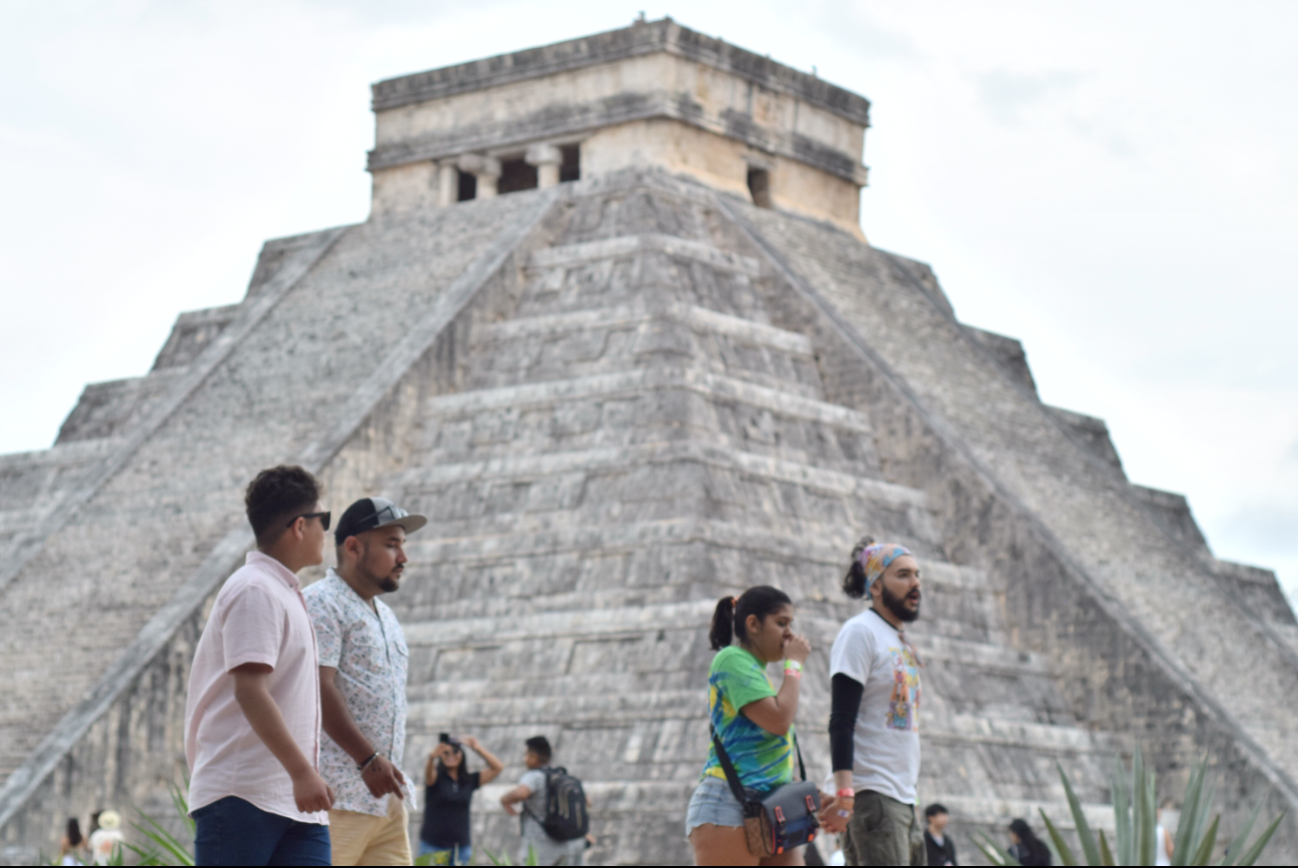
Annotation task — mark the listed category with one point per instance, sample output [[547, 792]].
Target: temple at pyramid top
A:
[[652, 94]]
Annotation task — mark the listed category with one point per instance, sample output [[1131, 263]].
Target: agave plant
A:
[[1136, 819]]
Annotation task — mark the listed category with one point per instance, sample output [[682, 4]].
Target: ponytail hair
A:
[[732, 613], [855, 581]]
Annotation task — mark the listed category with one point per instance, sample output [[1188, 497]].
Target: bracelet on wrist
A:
[[793, 673], [361, 767], [846, 793], [792, 664]]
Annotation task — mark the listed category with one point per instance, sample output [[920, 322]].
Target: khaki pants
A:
[[883, 831], [364, 839]]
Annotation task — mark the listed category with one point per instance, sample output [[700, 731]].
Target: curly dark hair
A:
[[274, 495], [854, 579]]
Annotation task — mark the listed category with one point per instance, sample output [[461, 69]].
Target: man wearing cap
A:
[[363, 659]]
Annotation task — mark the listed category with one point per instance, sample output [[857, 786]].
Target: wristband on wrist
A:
[[846, 793], [361, 767], [793, 673], [792, 664]]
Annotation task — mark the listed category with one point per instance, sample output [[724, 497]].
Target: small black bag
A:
[[779, 820]]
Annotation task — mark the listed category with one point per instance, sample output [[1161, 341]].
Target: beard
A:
[[897, 605], [387, 584]]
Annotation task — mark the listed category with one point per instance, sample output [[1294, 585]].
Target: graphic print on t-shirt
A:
[[903, 707]]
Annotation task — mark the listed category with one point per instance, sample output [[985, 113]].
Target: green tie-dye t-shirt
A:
[[763, 761]]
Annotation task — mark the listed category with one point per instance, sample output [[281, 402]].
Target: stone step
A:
[[632, 315], [615, 538], [654, 454], [637, 382], [572, 255]]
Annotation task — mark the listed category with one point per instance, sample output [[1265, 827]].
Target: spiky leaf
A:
[[1061, 846], [1203, 852], [1089, 849], [995, 854], [1236, 849], [1106, 855], [1256, 850]]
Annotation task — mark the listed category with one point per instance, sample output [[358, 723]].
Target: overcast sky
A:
[[1114, 183]]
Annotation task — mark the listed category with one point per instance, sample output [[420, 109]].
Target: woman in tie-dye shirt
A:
[[753, 721]]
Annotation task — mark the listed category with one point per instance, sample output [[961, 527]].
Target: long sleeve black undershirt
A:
[[845, 702]]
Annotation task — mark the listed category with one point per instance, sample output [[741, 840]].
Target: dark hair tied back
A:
[[732, 613], [854, 580]]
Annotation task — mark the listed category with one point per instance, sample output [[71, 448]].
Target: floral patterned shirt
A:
[[369, 651]]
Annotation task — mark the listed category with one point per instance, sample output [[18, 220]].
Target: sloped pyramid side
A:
[[638, 439], [642, 397]]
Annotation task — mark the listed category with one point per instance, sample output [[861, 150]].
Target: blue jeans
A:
[[231, 831], [456, 855]]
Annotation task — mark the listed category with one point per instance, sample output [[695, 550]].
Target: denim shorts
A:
[[713, 803]]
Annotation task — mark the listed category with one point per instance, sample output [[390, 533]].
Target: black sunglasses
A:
[[323, 516]]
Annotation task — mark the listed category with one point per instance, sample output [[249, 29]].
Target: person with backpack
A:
[[752, 721], [554, 809]]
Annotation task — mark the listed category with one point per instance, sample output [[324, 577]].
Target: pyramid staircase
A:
[[637, 441]]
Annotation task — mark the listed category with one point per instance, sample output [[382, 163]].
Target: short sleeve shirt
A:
[[763, 760], [446, 810], [259, 617], [368, 648], [871, 651]]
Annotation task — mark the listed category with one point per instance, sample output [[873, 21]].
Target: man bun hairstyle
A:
[[855, 581], [732, 613], [275, 495], [540, 745]]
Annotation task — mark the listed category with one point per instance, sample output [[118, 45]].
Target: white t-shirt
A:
[[886, 743]]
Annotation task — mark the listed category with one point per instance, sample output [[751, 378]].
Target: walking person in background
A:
[[70, 843], [939, 847], [1163, 846], [106, 840], [448, 792], [874, 712], [1026, 847], [530, 797], [363, 664], [252, 717], [753, 721]]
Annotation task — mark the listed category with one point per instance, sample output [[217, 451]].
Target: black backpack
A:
[[566, 817]]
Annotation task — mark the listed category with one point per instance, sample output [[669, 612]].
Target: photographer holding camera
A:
[[448, 792]]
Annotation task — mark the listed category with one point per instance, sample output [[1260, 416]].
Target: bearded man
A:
[[874, 714], [363, 657]]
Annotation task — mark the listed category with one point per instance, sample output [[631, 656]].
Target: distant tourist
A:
[[252, 718], [106, 840], [448, 792], [1163, 846], [363, 658], [1026, 847], [874, 712], [70, 843], [940, 848], [531, 799], [753, 722]]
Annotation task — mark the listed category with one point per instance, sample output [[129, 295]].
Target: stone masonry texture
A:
[[644, 396]]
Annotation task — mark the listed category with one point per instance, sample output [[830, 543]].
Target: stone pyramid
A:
[[612, 326]]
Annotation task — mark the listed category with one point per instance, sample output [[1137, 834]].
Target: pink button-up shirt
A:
[[259, 617]]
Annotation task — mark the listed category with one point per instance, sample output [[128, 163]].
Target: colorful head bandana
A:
[[876, 558]]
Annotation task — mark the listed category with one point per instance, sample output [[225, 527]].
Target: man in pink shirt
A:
[[252, 719]]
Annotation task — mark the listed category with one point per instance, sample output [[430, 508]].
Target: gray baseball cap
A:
[[371, 513]]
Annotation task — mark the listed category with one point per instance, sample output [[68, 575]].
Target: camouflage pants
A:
[[883, 831]]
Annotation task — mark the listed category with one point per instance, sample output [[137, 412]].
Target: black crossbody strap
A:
[[732, 777]]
